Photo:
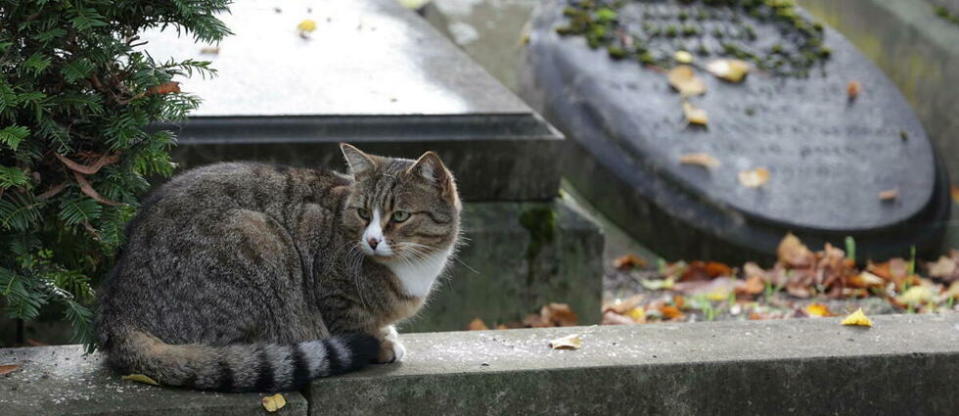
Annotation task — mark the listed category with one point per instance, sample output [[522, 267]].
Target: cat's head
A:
[[401, 209]]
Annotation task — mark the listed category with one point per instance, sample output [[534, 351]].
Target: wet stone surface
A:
[[829, 157]]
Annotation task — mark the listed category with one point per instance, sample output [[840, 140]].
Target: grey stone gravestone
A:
[[378, 76], [829, 157]]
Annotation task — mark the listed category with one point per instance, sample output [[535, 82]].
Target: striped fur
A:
[[251, 277]]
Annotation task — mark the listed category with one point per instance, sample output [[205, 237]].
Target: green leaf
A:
[[13, 135], [18, 212], [36, 63], [76, 70], [79, 210], [11, 177], [86, 19]]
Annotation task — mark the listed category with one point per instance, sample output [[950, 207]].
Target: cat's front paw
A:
[[391, 351]]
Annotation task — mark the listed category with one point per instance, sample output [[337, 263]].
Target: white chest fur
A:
[[418, 276]]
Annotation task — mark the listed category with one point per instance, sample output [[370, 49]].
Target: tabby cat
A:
[[252, 277]]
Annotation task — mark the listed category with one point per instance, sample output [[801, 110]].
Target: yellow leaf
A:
[[569, 342], [695, 115], [699, 159], [307, 25], [818, 309], [140, 378], [684, 80], [732, 70], [683, 57], [916, 295], [857, 318], [754, 178], [637, 314], [658, 284], [273, 403]]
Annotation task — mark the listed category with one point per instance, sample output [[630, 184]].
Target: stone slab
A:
[[904, 365], [64, 381], [825, 154], [496, 277], [917, 49], [371, 73], [366, 57], [513, 159]]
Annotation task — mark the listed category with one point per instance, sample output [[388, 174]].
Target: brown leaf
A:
[[699, 159], [683, 78], [672, 313], [954, 191], [8, 368], [853, 89], [164, 88], [559, 314], [699, 270], [622, 306], [944, 268], [889, 194], [477, 324], [629, 261], [753, 286], [613, 318], [792, 252]]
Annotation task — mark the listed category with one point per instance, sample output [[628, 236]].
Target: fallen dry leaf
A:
[[865, 280], [657, 284], [306, 26], [754, 178], [752, 286], [732, 70], [695, 115], [629, 261], [853, 89], [683, 57], [818, 309], [8, 368], [857, 318], [954, 191], [559, 314], [794, 253], [613, 318], [889, 195], [916, 295], [569, 342], [671, 313], [944, 268], [953, 291], [622, 306], [477, 324], [210, 50], [140, 378], [684, 80], [638, 315], [273, 403], [699, 159]]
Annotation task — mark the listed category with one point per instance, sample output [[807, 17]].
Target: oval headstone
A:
[[829, 157]]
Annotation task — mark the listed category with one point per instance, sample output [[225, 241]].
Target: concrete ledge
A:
[[904, 365], [62, 381]]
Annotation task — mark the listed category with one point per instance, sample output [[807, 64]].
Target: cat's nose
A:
[[373, 242]]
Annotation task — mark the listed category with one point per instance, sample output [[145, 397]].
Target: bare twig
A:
[[87, 189], [52, 191], [91, 169]]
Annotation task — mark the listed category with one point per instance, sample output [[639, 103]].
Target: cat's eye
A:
[[363, 213], [400, 216]]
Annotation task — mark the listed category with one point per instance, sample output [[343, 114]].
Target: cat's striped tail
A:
[[242, 367]]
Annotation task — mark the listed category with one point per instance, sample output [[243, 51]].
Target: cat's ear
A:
[[358, 161], [430, 167]]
